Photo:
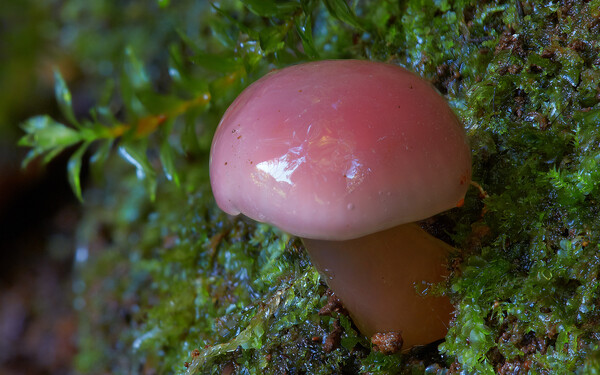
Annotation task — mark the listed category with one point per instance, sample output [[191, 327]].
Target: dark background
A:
[[38, 212]]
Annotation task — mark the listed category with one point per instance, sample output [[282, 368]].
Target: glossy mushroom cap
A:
[[339, 149]]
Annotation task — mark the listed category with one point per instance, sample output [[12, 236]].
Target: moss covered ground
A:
[[167, 283]]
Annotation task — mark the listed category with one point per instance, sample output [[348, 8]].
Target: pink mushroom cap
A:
[[339, 149]]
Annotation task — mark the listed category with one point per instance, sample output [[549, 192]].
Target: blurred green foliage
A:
[[161, 278]]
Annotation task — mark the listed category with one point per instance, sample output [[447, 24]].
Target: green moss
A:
[[525, 299]]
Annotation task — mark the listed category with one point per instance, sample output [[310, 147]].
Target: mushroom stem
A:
[[385, 281]]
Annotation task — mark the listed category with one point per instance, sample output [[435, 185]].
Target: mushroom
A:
[[348, 155]]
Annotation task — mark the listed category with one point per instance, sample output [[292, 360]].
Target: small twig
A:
[[482, 193]]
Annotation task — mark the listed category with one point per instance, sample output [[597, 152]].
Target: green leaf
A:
[[134, 70], [164, 3], [271, 8], [342, 11], [46, 135], [63, 97], [235, 26], [224, 63], [74, 170], [216, 63], [44, 132], [572, 64], [225, 32], [134, 80], [52, 154], [100, 156], [167, 156], [135, 154], [179, 73], [305, 33], [271, 40]]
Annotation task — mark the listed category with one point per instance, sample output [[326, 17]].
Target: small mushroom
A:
[[347, 155]]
